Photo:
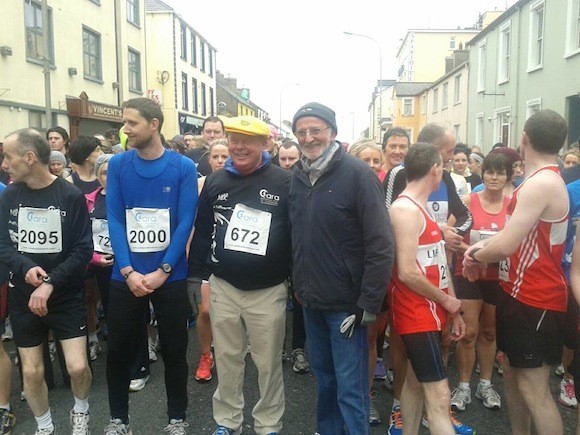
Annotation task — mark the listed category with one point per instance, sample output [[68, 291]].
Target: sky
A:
[[293, 52]]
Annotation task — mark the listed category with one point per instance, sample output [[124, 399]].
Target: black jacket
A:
[[342, 244]]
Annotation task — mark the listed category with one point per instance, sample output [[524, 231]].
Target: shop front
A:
[[88, 118]]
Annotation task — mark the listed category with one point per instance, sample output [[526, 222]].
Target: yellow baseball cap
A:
[[248, 125]]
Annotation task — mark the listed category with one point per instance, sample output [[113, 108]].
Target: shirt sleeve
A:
[[464, 220], [202, 237], [116, 213]]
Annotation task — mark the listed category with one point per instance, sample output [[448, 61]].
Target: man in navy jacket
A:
[[343, 252]]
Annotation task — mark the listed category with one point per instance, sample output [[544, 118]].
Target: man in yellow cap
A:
[[249, 262]]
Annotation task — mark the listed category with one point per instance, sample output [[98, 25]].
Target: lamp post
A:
[[380, 87], [281, 92]]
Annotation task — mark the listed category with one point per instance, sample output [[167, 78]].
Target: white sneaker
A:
[[567, 393], [115, 427], [560, 370], [80, 423], [94, 350], [491, 399], [138, 384], [460, 398]]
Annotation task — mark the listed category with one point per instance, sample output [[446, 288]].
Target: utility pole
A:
[[46, 64]]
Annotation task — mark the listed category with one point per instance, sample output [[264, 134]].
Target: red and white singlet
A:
[[411, 312], [533, 274], [485, 225]]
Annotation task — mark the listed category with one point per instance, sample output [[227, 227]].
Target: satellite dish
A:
[[221, 106]]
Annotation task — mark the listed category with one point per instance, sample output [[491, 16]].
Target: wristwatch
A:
[[47, 279], [166, 267]]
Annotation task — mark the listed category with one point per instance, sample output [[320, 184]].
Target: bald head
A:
[[441, 137]]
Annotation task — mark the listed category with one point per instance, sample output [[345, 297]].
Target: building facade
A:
[[181, 70], [95, 61], [526, 60], [409, 112]]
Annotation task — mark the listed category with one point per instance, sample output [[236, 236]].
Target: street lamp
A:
[[380, 74], [281, 91]]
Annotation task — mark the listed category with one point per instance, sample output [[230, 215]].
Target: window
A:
[[457, 132], [457, 89], [573, 28], [203, 101], [184, 89], [194, 99], [481, 65], [502, 125], [445, 95], [536, 43], [134, 71], [183, 41], [479, 128], [452, 43], [37, 120], [92, 68], [133, 12], [34, 28], [424, 103], [505, 33], [210, 59], [533, 106], [193, 49], [407, 107], [211, 102], [202, 55], [435, 100]]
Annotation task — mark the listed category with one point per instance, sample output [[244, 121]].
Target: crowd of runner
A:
[[132, 238]]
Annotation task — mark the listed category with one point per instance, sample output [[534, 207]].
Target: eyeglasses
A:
[[313, 132]]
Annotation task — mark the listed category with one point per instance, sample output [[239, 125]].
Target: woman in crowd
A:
[[460, 167], [368, 151], [488, 209], [218, 154], [57, 164], [475, 162], [570, 158]]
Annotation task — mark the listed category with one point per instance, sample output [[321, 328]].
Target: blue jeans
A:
[[341, 369]]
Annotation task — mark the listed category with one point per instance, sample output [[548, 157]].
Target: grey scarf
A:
[[316, 168]]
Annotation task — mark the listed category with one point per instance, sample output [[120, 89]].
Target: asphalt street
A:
[[148, 407]]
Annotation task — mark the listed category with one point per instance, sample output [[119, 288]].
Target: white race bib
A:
[[443, 267], [39, 230], [148, 229], [504, 269], [479, 235], [438, 209], [101, 240], [248, 230]]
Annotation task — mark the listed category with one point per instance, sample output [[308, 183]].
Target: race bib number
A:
[[39, 230], [438, 209], [504, 270], [479, 235], [101, 240], [248, 230], [443, 267], [148, 229]]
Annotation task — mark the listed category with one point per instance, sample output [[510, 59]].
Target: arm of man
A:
[[202, 237], [463, 218], [394, 183], [534, 200], [379, 245], [407, 226]]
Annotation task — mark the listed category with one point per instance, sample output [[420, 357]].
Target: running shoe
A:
[[389, 380], [138, 384], [7, 422], [460, 428], [380, 371], [396, 422], [460, 398], [176, 427], [567, 394], [222, 430], [560, 370], [79, 422], [203, 372], [94, 350], [491, 399], [52, 350], [374, 416], [299, 362], [45, 431], [116, 427]]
